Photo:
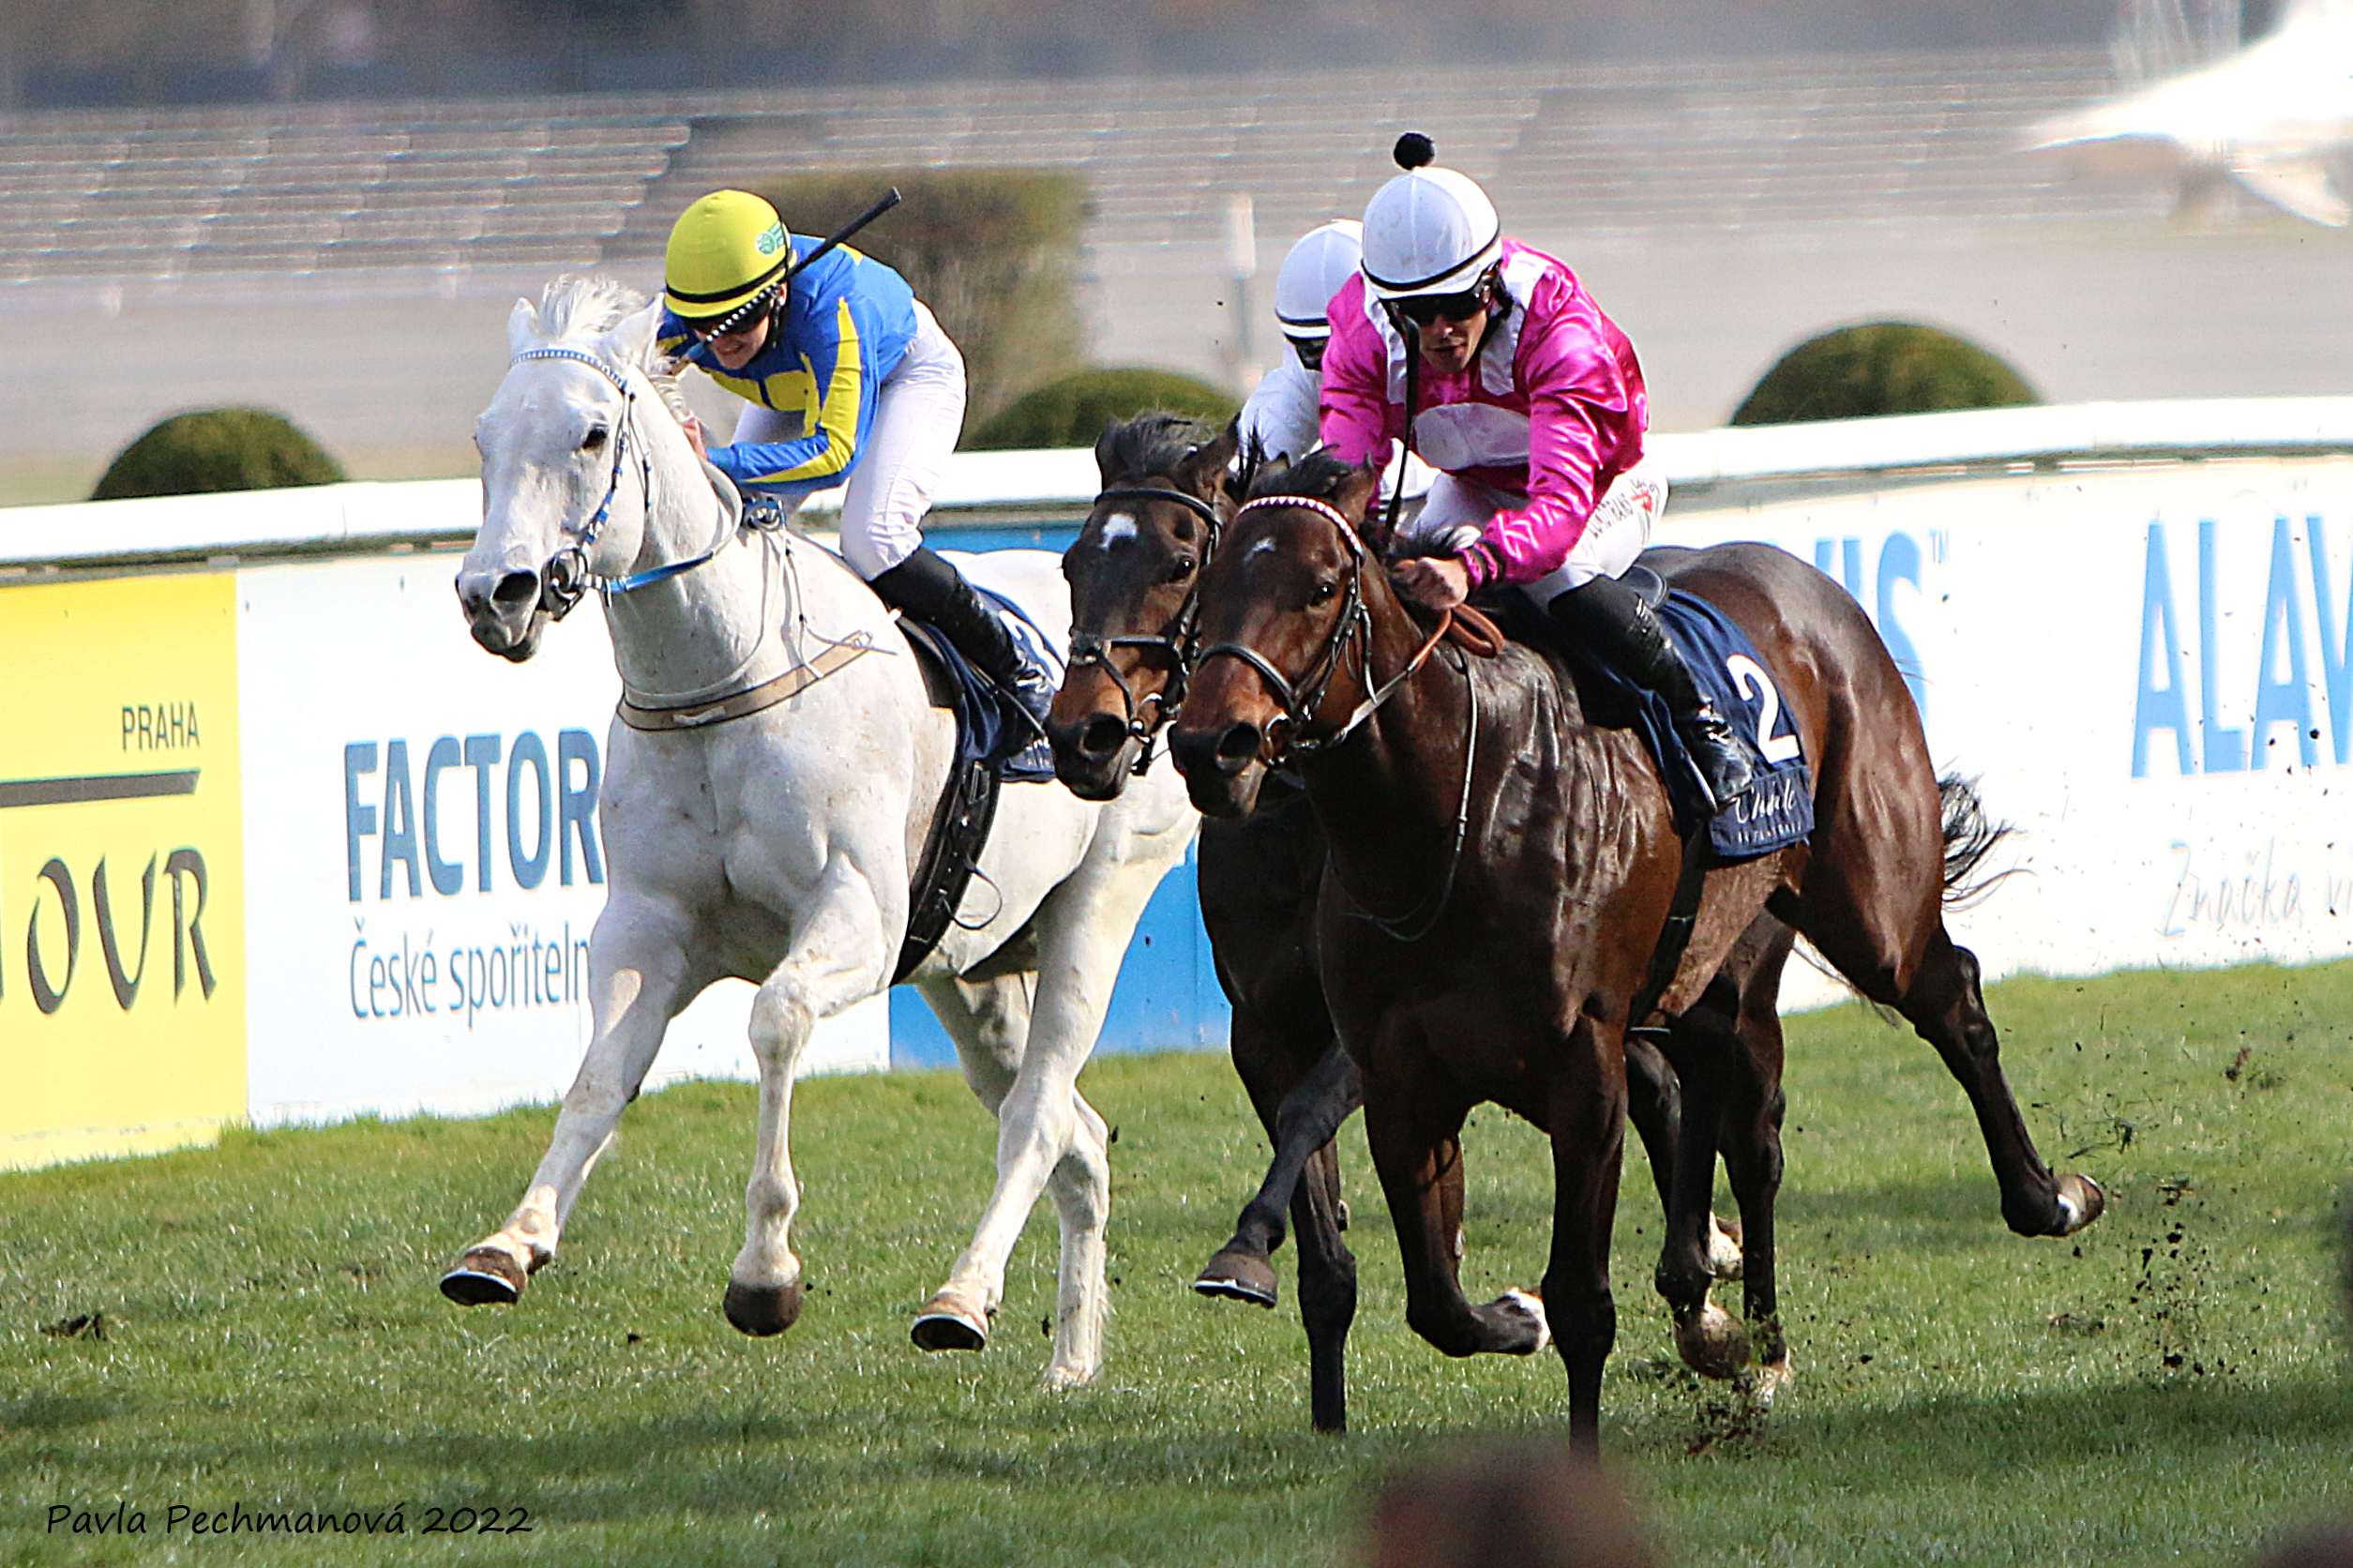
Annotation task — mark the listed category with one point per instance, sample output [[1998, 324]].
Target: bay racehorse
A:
[[1168, 484], [1532, 860], [764, 829]]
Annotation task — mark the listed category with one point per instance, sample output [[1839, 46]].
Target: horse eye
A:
[[1325, 591], [593, 439], [1181, 570]]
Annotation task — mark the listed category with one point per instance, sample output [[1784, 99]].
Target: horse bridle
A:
[[1300, 701], [1179, 641], [567, 579], [1354, 623]]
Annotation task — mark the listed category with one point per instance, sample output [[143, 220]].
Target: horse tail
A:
[[1970, 837]]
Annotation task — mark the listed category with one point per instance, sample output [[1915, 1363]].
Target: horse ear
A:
[[1211, 460], [1103, 456], [1359, 496], [631, 340], [522, 326]]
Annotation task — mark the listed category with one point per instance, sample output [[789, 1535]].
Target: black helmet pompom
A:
[[1413, 150]]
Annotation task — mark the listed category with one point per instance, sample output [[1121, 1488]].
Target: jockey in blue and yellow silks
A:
[[850, 381]]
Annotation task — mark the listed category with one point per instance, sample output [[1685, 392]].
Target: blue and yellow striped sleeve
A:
[[842, 376]]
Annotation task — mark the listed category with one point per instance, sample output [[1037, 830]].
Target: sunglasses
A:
[[1422, 309]]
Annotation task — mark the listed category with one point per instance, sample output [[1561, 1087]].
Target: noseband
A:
[[1179, 641], [1353, 624], [566, 578]]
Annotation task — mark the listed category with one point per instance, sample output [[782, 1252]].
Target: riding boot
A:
[[931, 590], [1619, 626]]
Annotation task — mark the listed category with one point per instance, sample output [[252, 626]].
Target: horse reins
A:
[[1179, 641]]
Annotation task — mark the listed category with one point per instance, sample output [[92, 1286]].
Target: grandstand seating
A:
[[1919, 139]]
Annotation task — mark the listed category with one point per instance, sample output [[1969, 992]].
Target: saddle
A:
[[995, 744]]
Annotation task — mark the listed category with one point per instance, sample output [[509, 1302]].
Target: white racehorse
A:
[[775, 846]]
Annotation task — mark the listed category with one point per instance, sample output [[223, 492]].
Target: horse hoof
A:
[[1529, 1308], [947, 1324], [1712, 1342], [485, 1278], [2081, 1200], [1724, 1249], [1766, 1383], [1237, 1275], [762, 1310], [1061, 1380]]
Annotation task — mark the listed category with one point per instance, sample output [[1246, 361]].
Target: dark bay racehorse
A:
[[1134, 573], [1534, 859]]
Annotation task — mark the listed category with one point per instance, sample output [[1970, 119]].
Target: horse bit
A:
[[1179, 641]]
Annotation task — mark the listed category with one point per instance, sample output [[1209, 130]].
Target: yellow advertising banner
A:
[[122, 916]]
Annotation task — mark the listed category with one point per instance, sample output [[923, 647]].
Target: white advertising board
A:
[[422, 855], [2149, 673]]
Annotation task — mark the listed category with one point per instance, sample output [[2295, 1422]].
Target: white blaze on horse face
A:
[[1261, 547], [1118, 528]]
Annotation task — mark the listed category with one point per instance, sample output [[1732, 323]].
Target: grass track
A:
[[2173, 1389]]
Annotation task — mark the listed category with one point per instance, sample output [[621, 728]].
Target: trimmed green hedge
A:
[[217, 449], [1073, 411], [1881, 367], [992, 251]]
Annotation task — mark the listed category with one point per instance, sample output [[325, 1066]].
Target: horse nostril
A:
[[1101, 736], [516, 589], [1237, 748]]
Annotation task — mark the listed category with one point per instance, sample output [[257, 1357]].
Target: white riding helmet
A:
[[1428, 231], [1324, 258]]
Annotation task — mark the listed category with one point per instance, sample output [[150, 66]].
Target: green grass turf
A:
[[2171, 1386]]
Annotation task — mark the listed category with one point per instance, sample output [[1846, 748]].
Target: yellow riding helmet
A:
[[724, 251]]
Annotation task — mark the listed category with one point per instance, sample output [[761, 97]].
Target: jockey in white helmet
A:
[[1283, 415], [851, 381], [1492, 363]]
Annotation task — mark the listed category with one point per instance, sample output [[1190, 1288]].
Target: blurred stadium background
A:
[[327, 206]]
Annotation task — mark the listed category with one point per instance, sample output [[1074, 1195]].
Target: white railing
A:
[[1707, 467]]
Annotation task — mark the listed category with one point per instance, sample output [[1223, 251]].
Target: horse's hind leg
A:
[[1891, 944], [838, 958], [1084, 927], [1655, 1104], [1749, 1133], [637, 981]]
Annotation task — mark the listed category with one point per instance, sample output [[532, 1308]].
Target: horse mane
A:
[[1152, 442], [573, 308], [1318, 477]]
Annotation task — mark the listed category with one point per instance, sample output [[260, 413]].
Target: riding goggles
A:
[[736, 320], [1310, 351], [1422, 309]]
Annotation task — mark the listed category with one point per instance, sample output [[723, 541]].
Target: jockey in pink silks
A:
[[1530, 401]]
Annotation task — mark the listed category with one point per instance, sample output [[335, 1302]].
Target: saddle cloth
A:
[[1777, 809]]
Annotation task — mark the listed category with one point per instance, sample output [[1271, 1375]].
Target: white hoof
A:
[[1723, 1251], [1766, 1383], [1527, 1303], [1061, 1380]]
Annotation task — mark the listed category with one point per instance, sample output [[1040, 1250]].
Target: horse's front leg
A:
[[1301, 1114], [838, 955], [638, 978], [1588, 1122], [1413, 1118], [1045, 1130]]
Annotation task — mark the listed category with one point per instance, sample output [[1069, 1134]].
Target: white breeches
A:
[[1619, 528], [918, 415]]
